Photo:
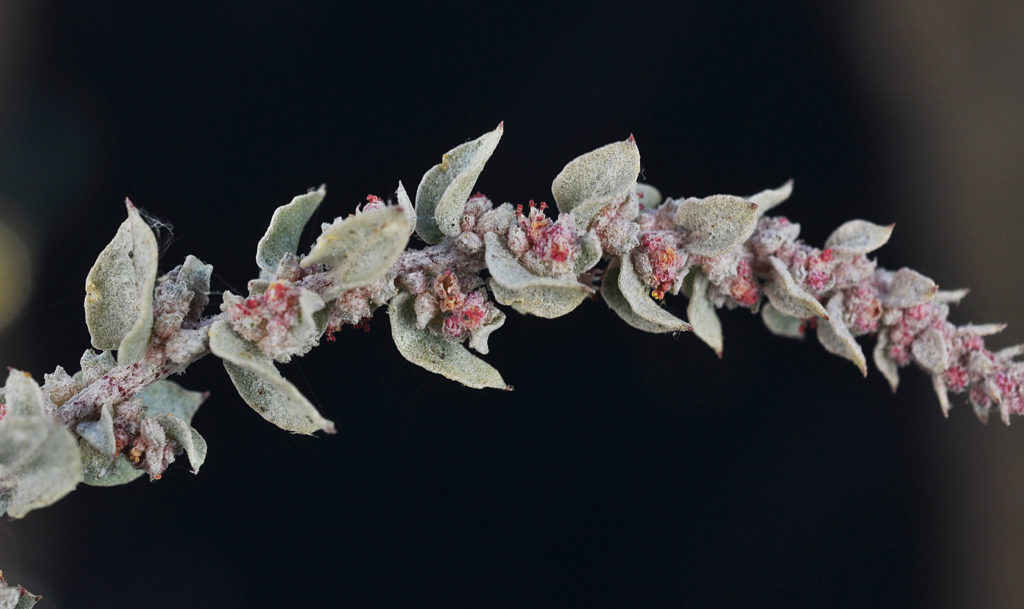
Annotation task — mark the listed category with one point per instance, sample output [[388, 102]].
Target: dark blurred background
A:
[[626, 470]]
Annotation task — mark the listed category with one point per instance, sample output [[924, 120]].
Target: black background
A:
[[626, 470]]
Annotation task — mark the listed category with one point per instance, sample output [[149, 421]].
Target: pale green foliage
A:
[[595, 179], [119, 290], [433, 352], [590, 253], [884, 363], [908, 288], [510, 273], [780, 324], [285, 230], [261, 386], [546, 301], [836, 338], [858, 237], [770, 198], [442, 193], [39, 459], [717, 223], [702, 316], [627, 296], [173, 407], [788, 297]]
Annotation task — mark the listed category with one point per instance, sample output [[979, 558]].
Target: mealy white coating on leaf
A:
[[443, 191], [360, 249], [930, 351], [510, 273], [100, 470], [885, 364], [100, 433], [940, 391], [436, 354], [261, 386], [772, 197], [648, 196], [478, 338], [285, 230], [195, 275], [716, 224], [595, 179], [951, 296], [789, 298], [171, 398], [39, 460], [781, 324], [980, 329], [640, 301], [94, 365], [546, 301], [858, 237], [908, 288], [119, 290], [617, 302], [836, 337], [407, 208], [1010, 352], [590, 253], [188, 438], [700, 312]]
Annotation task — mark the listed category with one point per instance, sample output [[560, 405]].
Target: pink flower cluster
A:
[[658, 262], [545, 247], [265, 319]]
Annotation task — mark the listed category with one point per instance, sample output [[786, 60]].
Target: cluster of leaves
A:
[[119, 418]]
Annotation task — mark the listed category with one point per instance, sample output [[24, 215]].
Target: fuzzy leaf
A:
[[943, 394], [772, 197], [648, 196], [908, 288], [595, 179], [285, 230], [360, 249], [789, 298], [101, 470], [119, 290], [168, 397], [262, 386], [443, 191], [702, 315], [950, 296], [39, 459], [100, 433], [545, 301], [930, 350], [858, 237], [627, 296], [187, 438], [15, 597], [717, 223], [590, 253], [980, 329], [885, 364], [507, 270], [836, 338], [781, 324], [195, 275], [478, 339], [432, 352], [406, 205]]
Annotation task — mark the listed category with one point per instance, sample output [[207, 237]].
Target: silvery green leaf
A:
[[644, 313], [432, 352], [780, 324], [406, 204], [789, 298], [195, 275], [950, 296], [308, 328], [478, 338], [101, 470], [261, 386], [648, 196], [908, 288], [940, 390], [595, 179], [119, 290], [285, 230], [39, 460], [772, 197], [94, 365], [168, 397], [930, 350], [858, 237], [361, 249], [980, 329], [836, 338], [544, 301], [717, 223], [507, 270], [885, 364], [617, 302], [702, 316], [58, 386], [100, 433], [187, 438], [443, 191], [590, 253], [1007, 353]]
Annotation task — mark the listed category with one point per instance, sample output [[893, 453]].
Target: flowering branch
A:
[[117, 419]]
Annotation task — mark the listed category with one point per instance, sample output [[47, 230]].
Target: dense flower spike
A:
[[119, 418]]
